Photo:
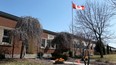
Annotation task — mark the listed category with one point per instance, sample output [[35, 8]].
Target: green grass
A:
[[109, 57]]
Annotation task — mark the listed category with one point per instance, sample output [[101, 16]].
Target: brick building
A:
[[8, 23]]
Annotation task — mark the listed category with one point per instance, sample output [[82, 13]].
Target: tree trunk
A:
[[101, 46], [101, 55], [13, 46], [21, 53], [108, 49], [88, 58], [101, 52]]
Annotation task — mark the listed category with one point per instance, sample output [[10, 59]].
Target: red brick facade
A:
[[7, 49], [9, 24], [5, 23], [45, 35]]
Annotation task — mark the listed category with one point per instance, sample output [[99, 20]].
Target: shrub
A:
[[55, 56], [2, 56], [65, 57], [96, 53], [70, 53], [78, 56], [39, 55]]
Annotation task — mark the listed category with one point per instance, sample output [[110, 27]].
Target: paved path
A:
[[75, 63], [70, 63]]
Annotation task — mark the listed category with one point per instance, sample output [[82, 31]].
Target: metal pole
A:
[[72, 30], [72, 18]]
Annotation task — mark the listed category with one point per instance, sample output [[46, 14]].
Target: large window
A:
[[6, 37], [47, 42]]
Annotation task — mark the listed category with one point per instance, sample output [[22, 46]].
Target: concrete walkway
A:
[[71, 63], [75, 63]]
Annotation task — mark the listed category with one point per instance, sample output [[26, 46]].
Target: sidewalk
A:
[[75, 63], [71, 63]]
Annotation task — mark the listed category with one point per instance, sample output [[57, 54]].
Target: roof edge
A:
[[50, 32], [9, 16]]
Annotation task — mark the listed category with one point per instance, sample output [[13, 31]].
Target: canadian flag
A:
[[74, 6]]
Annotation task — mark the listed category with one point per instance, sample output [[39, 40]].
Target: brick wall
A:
[[7, 22], [48, 50]]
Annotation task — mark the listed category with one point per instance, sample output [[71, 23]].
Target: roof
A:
[[50, 32], [9, 16], [16, 18]]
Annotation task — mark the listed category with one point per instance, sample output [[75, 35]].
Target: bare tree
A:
[[95, 18], [28, 30], [87, 37], [113, 3]]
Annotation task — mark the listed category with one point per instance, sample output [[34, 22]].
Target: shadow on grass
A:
[[23, 62], [5, 61]]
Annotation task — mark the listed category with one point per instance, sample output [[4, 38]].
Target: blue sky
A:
[[54, 15]]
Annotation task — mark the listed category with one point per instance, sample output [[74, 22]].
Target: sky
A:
[[54, 15]]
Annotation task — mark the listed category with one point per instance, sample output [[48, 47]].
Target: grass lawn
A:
[[24, 62], [109, 57], [20, 63]]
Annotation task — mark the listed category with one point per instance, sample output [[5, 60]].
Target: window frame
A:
[[44, 43], [5, 37], [50, 46]]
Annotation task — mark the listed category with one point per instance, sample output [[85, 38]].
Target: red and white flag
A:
[[74, 6]]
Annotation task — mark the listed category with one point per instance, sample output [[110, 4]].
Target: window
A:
[[47, 42], [50, 44], [50, 37], [6, 37], [43, 43]]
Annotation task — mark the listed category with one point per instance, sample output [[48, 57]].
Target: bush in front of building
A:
[[39, 55], [55, 56], [2, 56], [78, 56]]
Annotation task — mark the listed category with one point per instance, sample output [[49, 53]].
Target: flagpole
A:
[[72, 19], [72, 31], [72, 34], [79, 8]]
